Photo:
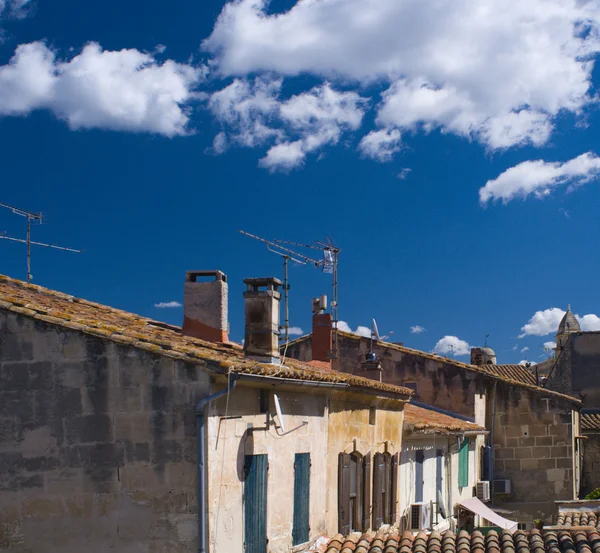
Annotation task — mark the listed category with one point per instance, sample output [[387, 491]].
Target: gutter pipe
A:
[[201, 460], [492, 452]]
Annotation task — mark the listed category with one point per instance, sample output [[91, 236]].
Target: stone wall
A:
[[533, 449], [97, 444], [590, 478]]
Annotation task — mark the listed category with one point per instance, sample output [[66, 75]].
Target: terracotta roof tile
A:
[[140, 332], [578, 518], [535, 541], [424, 420], [590, 421], [514, 372]]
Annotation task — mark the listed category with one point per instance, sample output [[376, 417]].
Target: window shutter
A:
[[387, 488], [395, 467], [344, 493], [359, 491], [366, 510], [378, 482], [463, 464]]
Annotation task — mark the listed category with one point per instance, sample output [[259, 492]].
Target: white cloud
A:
[[525, 362], [15, 9], [403, 173], [253, 114], [167, 304], [380, 145], [523, 350], [549, 345], [546, 322], [538, 178], [360, 330], [452, 345], [417, 329], [498, 73], [295, 331], [124, 90]]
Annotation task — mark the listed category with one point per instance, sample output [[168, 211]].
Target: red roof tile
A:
[[590, 422], [425, 420]]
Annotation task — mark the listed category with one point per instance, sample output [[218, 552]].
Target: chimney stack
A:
[[322, 331], [205, 306], [262, 299]]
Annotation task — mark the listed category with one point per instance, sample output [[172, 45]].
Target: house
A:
[[532, 454], [121, 433], [439, 466]]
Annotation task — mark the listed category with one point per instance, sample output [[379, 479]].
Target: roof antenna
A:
[[485, 343], [329, 264], [30, 217]]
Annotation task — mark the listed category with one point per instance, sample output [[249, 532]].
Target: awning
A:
[[475, 506]]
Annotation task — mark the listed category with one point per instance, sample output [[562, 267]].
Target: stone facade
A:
[[97, 443], [590, 478], [533, 448]]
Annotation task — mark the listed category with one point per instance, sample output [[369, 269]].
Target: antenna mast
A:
[[329, 264], [30, 216]]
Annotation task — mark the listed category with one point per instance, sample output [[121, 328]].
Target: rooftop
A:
[[126, 328], [579, 518], [475, 542], [505, 373], [422, 420], [590, 422]]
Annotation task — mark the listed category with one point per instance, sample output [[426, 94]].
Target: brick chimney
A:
[[262, 299], [205, 306], [322, 331]]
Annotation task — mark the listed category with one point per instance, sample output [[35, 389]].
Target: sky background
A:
[[450, 154]]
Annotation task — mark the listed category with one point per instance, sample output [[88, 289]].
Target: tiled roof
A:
[[590, 422], [129, 329], [513, 372], [475, 542], [428, 421], [472, 368], [579, 518]]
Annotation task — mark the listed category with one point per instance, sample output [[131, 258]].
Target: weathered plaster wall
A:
[[532, 448], [591, 463], [350, 424], [229, 441], [97, 444]]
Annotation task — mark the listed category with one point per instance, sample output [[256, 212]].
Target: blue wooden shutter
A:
[[301, 528], [255, 503], [463, 464]]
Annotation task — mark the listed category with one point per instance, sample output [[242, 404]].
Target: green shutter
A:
[[463, 464], [300, 526]]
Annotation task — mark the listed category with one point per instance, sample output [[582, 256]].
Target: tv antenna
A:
[[30, 217], [329, 264]]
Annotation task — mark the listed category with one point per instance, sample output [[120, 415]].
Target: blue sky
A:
[[450, 153]]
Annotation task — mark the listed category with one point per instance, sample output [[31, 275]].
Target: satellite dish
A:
[[441, 506], [278, 409], [376, 330]]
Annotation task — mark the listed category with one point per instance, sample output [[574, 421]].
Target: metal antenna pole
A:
[[286, 287], [334, 306], [28, 249]]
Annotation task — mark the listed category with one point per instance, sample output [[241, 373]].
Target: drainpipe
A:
[[201, 460]]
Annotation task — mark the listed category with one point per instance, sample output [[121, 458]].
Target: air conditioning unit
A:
[[502, 486], [482, 490], [419, 517]]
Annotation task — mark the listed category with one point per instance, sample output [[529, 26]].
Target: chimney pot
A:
[[261, 300], [205, 306]]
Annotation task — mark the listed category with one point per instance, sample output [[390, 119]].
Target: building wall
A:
[[533, 449], [576, 370], [591, 463], [350, 429], [438, 383], [97, 444], [230, 440]]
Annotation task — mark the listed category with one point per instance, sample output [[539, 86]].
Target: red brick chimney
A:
[[322, 331], [205, 306]]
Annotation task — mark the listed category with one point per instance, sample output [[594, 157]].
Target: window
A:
[[354, 492], [463, 464], [385, 489]]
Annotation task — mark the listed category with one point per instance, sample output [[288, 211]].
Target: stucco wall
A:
[[349, 424], [532, 448], [229, 441], [97, 444]]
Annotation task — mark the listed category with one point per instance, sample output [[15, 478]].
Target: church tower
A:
[[567, 326]]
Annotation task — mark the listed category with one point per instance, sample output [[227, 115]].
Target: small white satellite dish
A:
[[376, 330], [278, 409]]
